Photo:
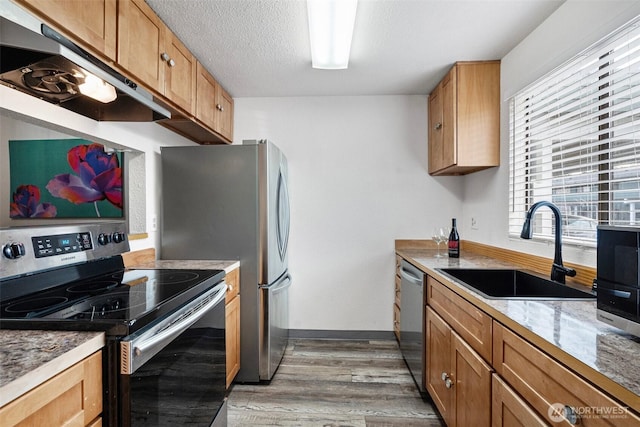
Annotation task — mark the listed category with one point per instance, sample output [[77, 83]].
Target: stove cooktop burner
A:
[[34, 304], [124, 296]]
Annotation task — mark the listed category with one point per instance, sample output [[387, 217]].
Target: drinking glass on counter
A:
[[440, 235]]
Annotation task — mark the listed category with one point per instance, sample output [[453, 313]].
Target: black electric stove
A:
[[73, 278], [133, 298], [100, 290]]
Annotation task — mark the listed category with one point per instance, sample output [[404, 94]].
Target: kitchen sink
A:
[[513, 284]]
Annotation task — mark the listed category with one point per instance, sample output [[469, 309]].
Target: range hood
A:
[[37, 60]]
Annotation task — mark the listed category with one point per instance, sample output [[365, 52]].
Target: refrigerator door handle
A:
[[283, 283], [283, 220]]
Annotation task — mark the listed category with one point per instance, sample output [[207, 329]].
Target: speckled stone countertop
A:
[[29, 358], [227, 266], [567, 330]]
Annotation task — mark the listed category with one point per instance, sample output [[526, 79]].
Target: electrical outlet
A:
[[474, 223], [154, 222]]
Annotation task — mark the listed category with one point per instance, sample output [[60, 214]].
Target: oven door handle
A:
[[134, 351]]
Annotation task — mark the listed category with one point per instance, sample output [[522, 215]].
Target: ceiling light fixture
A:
[[97, 89], [330, 30]]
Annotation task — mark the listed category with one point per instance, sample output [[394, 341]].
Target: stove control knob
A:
[[118, 237], [104, 239], [13, 250]]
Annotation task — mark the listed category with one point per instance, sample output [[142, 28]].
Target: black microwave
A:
[[618, 277]]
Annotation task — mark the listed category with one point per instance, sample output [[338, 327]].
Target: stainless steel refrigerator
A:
[[228, 202]]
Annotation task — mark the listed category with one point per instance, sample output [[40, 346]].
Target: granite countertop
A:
[[227, 266], [29, 358], [567, 330]]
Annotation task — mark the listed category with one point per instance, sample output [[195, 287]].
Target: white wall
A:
[[573, 27], [358, 181]]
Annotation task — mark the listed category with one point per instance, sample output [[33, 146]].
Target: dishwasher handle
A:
[[410, 274]]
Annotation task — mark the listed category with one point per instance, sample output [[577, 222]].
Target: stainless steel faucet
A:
[[558, 271]]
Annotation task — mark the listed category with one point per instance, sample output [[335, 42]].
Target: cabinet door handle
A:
[[438, 126], [571, 415], [171, 63], [164, 56], [447, 380], [219, 107]]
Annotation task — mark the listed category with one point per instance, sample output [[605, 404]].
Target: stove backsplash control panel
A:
[[59, 244], [27, 250]]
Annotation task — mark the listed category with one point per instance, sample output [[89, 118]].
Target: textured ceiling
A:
[[259, 48]]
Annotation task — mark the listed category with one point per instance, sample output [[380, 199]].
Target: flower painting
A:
[[26, 204], [65, 178]]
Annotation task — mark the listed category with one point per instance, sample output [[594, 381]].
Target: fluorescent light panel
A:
[[331, 29]]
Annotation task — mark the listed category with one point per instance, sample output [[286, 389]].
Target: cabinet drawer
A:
[[73, 397], [473, 325], [508, 409], [233, 281], [546, 384]]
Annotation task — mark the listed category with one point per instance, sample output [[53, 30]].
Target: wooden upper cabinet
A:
[[130, 37], [464, 119], [214, 106], [141, 42], [180, 75], [224, 113], [435, 130], [149, 51], [91, 25], [205, 97]]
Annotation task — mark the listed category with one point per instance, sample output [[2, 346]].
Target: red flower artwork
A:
[[26, 204], [99, 177]]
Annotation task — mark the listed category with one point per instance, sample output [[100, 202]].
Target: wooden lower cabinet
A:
[[458, 379], [464, 345], [71, 398], [546, 384], [232, 325], [510, 410], [471, 323]]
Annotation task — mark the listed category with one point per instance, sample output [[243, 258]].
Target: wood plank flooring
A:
[[334, 383]]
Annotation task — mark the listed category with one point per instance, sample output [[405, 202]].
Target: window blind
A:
[[575, 141]]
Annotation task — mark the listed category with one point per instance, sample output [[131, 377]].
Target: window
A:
[[575, 141]]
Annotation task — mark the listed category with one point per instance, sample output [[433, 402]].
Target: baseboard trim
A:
[[340, 335]]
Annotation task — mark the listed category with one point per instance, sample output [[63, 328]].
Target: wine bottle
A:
[[454, 241]]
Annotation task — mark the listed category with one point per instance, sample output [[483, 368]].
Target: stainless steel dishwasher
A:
[[412, 308]]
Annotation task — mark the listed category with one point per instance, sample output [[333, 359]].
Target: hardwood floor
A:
[[334, 383]]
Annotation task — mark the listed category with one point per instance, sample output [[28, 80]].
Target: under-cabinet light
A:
[[96, 88], [330, 30]]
